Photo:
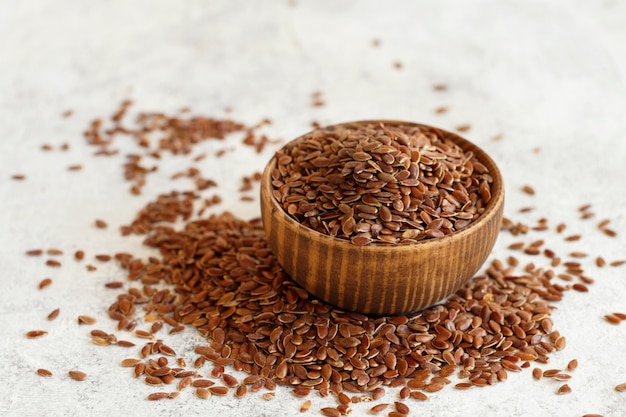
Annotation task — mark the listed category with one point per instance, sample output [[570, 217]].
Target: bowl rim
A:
[[491, 209]]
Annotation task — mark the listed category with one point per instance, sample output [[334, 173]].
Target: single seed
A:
[[203, 393], [620, 387], [77, 375], [528, 190], [330, 412], [155, 396], [53, 263], [219, 390], [379, 408], [36, 333], [402, 407], [54, 314], [564, 389], [44, 372], [101, 224], [130, 362], [305, 406], [44, 283], [573, 364], [537, 373], [86, 320]]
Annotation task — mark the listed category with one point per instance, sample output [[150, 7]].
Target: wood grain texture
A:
[[381, 279]]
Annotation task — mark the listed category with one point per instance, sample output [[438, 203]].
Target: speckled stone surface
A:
[[548, 76]]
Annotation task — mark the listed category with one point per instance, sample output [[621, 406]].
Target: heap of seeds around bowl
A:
[[223, 279], [380, 183]]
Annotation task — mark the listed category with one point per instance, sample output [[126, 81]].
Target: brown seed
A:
[[528, 190], [573, 238], [551, 372], [305, 406], [34, 252], [155, 396], [36, 333], [537, 373], [103, 258], [76, 167], [44, 283], [203, 393], [77, 375], [54, 314], [617, 263], [379, 408], [564, 389], [229, 380], [53, 263], [573, 364], [609, 232], [86, 320], [620, 387], [241, 391], [330, 412], [402, 407], [219, 390], [44, 372], [101, 224]]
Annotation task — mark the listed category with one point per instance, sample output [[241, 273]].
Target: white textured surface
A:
[[544, 74]]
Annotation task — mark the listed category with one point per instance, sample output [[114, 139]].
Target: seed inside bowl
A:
[[375, 182]]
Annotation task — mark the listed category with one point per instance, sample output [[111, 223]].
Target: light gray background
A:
[[544, 74]]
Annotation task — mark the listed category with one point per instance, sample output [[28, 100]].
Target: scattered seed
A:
[[77, 375], [44, 372], [54, 314], [53, 263], [620, 387], [573, 364], [528, 190], [36, 333], [101, 224], [564, 389], [330, 412], [203, 393], [537, 373], [155, 396], [44, 283], [305, 406], [86, 320]]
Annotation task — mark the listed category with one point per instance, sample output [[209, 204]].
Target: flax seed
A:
[[44, 372], [564, 389], [101, 224], [36, 333], [77, 375], [45, 283]]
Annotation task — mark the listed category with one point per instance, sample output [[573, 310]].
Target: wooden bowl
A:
[[383, 279]]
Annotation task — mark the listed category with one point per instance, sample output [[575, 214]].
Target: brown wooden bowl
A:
[[383, 279]]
